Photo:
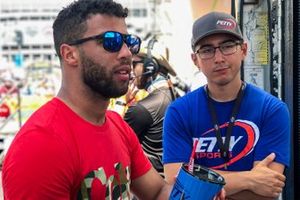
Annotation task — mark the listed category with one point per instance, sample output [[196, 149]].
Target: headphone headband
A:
[[150, 65]]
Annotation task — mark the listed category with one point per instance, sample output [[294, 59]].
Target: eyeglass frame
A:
[[236, 43], [99, 38], [134, 63]]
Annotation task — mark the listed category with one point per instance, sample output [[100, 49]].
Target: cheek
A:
[[138, 81], [138, 70], [237, 61], [205, 66], [206, 71]]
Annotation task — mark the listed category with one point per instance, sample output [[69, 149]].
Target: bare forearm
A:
[[164, 192], [264, 182], [235, 181], [151, 186]]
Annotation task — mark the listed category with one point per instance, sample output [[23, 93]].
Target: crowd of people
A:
[[22, 96], [76, 147]]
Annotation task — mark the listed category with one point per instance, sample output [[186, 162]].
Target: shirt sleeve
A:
[[33, 168], [275, 134], [177, 139], [138, 118]]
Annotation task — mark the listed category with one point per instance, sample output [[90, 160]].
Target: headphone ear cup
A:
[[150, 67]]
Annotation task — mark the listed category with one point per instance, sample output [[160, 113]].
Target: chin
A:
[[222, 82]]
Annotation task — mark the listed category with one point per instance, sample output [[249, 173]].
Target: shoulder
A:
[[261, 97], [113, 115], [115, 120], [43, 129], [121, 129], [139, 111], [44, 117], [190, 98], [36, 155], [258, 93]]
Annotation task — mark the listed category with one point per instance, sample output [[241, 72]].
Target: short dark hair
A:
[[70, 23]]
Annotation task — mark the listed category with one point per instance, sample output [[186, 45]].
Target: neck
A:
[[223, 93], [85, 107]]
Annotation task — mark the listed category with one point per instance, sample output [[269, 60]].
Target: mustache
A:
[[126, 61]]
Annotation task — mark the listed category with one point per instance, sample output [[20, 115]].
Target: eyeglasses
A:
[[226, 48], [113, 41], [134, 63]]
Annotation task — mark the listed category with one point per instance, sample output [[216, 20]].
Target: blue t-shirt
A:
[[262, 126]]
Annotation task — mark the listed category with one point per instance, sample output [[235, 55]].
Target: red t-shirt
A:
[[59, 155]]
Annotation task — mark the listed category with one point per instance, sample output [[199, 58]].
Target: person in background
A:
[[151, 73], [236, 128], [72, 147], [121, 104]]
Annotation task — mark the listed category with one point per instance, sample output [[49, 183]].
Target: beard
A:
[[100, 80]]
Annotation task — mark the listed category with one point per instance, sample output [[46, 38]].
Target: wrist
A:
[[121, 103], [248, 182], [236, 181]]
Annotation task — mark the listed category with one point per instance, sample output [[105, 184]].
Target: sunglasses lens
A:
[[112, 41], [133, 42]]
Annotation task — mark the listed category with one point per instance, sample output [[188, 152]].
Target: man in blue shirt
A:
[[237, 129]]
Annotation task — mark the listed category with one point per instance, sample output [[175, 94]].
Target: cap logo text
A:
[[226, 24]]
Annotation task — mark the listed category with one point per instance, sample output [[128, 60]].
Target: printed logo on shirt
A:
[[97, 185], [240, 145]]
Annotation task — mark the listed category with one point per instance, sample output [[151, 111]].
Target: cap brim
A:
[[216, 32]]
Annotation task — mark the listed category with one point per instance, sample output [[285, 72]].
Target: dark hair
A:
[[70, 23]]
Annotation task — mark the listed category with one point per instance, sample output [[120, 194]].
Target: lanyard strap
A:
[[224, 147]]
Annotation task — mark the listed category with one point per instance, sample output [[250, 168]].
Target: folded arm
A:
[[265, 181]]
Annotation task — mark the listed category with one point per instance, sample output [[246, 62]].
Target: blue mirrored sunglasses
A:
[[112, 41]]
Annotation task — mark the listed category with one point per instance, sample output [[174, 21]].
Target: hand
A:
[[221, 195], [131, 92], [265, 181]]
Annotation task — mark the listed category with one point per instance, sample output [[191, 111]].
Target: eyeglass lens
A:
[[113, 42], [226, 48]]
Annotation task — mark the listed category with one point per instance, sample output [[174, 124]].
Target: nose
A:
[[218, 55], [124, 51]]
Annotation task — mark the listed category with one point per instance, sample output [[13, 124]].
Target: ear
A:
[[244, 48], [69, 54], [195, 60]]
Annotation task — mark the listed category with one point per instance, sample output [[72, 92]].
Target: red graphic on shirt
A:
[[252, 137]]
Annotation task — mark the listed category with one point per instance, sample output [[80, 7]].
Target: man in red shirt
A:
[[72, 147]]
